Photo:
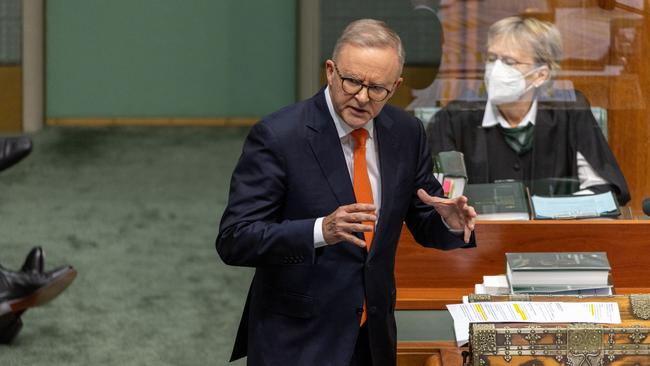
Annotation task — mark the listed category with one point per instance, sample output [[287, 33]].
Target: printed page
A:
[[530, 312]]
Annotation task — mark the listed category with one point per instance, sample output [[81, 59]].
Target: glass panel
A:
[[602, 73], [10, 32]]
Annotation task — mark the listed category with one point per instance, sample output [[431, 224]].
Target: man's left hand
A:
[[455, 211]]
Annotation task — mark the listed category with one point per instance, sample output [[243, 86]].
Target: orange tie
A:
[[362, 187]]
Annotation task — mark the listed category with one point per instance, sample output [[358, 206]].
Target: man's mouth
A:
[[358, 110]]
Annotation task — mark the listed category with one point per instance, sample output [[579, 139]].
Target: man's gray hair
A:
[[542, 39], [370, 33]]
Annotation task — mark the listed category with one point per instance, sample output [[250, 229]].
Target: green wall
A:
[[169, 58]]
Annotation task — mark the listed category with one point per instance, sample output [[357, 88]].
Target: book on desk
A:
[[499, 201], [511, 200], [449, 169], [558, 273]]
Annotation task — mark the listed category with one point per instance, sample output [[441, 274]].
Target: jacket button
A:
[[359, 311], [516, 167], [372, 309]]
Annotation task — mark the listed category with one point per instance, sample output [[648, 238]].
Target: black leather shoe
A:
[[13, 149], [22, 290], [10, 325], [35, 261]]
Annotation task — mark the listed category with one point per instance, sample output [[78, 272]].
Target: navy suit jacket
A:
[[304, 304]]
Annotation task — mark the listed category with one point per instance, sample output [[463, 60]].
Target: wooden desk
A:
[[429, 354], [430, 279]]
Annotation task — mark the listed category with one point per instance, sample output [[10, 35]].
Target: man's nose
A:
[[362, 95]]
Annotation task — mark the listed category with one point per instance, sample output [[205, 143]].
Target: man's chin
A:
[[356, 121]]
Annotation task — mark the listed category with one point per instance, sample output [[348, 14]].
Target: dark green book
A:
[[499, 201], [555, 269], [451, 164], [450, 170]]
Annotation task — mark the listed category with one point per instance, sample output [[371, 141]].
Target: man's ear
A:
[[329, 72], [397, 84]]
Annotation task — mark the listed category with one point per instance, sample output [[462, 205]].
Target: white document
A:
[[493, 285], [496, 281], [530, 312], [593, 205]]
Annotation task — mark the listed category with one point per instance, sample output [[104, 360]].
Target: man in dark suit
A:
[[316, 205]]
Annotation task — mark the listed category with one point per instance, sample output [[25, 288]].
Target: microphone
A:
[[646, 206]]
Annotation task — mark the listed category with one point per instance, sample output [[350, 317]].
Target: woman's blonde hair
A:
[[541, 38]]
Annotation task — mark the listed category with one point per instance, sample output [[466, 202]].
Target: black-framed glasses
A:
[[352, 86], [510, 61]]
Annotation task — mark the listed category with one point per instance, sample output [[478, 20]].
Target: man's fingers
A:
[[356, 228], [360, 207], [424, 196], [353, 239], [456, 212], [342, 224], [360, 217], [467, 234], [434, 200]]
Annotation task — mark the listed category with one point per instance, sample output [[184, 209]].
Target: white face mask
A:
[[505, 84]]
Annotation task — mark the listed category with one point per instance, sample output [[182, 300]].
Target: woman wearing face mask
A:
[[517, 135]]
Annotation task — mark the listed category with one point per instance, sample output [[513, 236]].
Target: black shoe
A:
[[13, 149], [10, 325], [35, 261], [21, 290]]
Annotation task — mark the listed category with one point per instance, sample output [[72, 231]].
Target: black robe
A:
[[561, 130]]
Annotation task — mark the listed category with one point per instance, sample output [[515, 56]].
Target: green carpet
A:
[[136, 211]]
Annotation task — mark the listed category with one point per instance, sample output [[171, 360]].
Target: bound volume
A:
[[499, 201], [449, 168], [557, 272]]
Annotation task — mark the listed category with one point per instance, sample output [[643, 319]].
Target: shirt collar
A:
[[492, 117], [342, 128]]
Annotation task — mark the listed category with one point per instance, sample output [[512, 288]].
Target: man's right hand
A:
[[341, 224]]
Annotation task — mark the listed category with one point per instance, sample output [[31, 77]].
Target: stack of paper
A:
[[530, 312], [493, 285]]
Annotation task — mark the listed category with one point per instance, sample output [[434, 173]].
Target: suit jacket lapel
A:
[[389, 167], [325, 144]]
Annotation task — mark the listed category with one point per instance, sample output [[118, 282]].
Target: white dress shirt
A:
[[586, 174], [347, 144]]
